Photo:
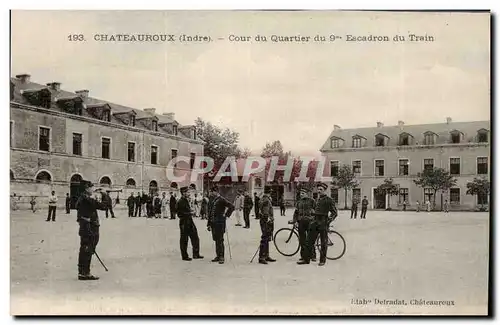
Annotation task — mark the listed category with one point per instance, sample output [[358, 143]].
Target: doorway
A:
[[75, 190], [378, 199]]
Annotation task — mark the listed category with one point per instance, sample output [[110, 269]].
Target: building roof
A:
[[21, 87], [442, 130]]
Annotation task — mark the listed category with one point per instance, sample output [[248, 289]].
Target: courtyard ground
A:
[[390, 255]]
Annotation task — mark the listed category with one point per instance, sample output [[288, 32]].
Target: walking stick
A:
[[101, 261], [255, 254], [228, 244]]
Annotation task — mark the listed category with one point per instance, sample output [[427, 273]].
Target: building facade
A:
[[400, 152], [58, 138]]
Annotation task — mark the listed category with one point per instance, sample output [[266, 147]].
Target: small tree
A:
[[479, 186], [346, 180], [389, 188], [436, 179]]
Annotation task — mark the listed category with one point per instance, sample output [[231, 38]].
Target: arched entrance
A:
[[75, 190], [153, 187]]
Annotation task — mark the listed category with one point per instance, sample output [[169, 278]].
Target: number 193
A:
[[76, 38]]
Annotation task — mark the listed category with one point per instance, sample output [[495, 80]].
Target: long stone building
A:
[[59, 137], [402, 151]]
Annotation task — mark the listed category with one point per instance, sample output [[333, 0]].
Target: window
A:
[[11, 132], [356, 142], [154, 155], [455, 195], [191, 160], [455, 137], [403, 195], [44, 139], [131, 151], [77, 144], [404, 139], [174, 153], [428, 164], [106, 116], [356, 167], [334, 168], [335, 143], [482, 165], [379, 167], [482, 198], [356, 194], [379, 140], [482, 136], [43, 177], [132, 120], [155, 125], [105, 146], [105, 180], [404, 165], [429, 138], [175, 130], [428, 194], [130, 182], [454, 166], [334, 193]]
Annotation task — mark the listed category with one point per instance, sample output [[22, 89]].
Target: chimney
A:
[[380, 124], [54, 85], [401, 123], [150, 110], [170, 116], [448, 120], [336, 127], [82, 93], [25, 78]]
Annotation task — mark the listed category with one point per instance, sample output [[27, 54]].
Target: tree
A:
[[346, 180], [436, 179], [272, 149], [479, 187], [389, 188]]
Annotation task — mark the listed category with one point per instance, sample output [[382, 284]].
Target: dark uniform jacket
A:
[[172, 202], [183, 209], [304, 209], [131, 201], [266, 208], [325, 205], [247, 203], [106, 199], [364, 203], [138, 200], [220, 209], [87, 210]]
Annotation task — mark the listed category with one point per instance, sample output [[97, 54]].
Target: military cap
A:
[[304, 191], [322, 185], [86, 184], [267, 190], [184, 189]]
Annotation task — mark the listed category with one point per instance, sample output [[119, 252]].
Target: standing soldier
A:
[[173, 205], [266, 226], [220, 209], [304, 215], [446, 206], [138, 205], [238, 206], [324, 206], [247, 207], [67, 203], [282, 205], [364, 207], [33, 204], [204, 207], [52, 207], [157, 206], [130, 205], [256, 206], [106, 199], [164, 204], [187, 226], [354, 208], [88, 220]]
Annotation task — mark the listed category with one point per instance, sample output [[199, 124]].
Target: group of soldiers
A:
[[152, 206], [313, 218]]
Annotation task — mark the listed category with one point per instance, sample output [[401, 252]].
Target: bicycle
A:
[[286, 241]]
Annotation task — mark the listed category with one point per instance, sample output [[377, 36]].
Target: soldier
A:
[[173, 205], [106, 199], [187, 226], [88, 220], [303, 215], [164, 204], [67, 203], [364, 207], [238, 206], [130, 205], [257, 204], [220, 209], [282, 205], [52, 207], [324, 206], [138, 205], [157, 206], [247, 207], [354, 208], [266, 226]]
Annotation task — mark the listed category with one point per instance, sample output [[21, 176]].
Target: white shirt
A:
[[52, 200]]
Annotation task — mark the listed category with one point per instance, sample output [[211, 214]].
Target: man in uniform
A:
[[187, 226], [106, 199], [354, 208], [67, 203], [247, 207], [173, 205], [256, 206], [219, 210], [131, 204], [324, 206], [364, 207], [266, 226], [303, 214], [89, 229], [138, 205]]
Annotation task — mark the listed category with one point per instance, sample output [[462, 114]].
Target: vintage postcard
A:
[[250, 163]]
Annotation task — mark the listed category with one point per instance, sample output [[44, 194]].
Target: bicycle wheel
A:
[[336, 246], [286, 242]]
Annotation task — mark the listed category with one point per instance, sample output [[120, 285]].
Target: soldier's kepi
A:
[[88, 220]]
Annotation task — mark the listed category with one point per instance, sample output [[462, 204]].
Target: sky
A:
[[266, 91]]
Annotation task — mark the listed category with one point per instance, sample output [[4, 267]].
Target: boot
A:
[[302, 262], [197, 257], [269, 259], [215, 259], [262, 261]]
